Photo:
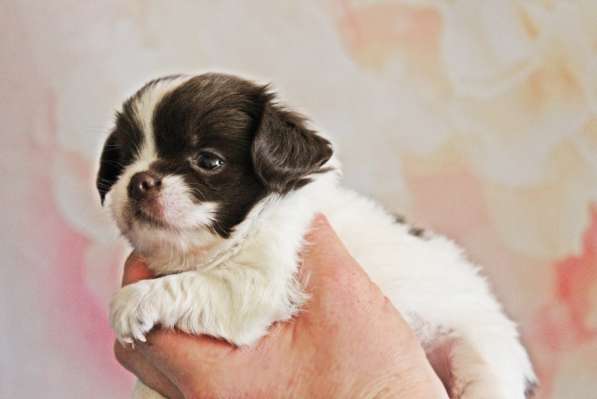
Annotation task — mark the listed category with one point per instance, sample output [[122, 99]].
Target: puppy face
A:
[[189, 157]]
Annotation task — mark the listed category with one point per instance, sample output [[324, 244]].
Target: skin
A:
[[348, 342]]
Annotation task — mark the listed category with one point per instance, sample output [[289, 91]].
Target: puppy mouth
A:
[[146, 218], [149, 213]]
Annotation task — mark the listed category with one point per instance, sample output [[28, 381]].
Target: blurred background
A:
[[477, 119]]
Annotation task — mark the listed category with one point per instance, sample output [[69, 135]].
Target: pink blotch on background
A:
[[568, 321], [76, 322], [576, 285], [375, 32]]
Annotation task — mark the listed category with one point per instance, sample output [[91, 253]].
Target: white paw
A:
[[142, 391], [132, 313]]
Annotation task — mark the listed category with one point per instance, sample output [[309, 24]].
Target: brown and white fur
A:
[[216, 184]]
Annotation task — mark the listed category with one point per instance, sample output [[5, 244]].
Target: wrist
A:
[[416, 383], [413, 389]]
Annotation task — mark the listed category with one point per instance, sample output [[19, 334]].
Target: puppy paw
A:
[[132, 313], [142, 391]]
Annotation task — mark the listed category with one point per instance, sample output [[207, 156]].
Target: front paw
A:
[[132, 313]]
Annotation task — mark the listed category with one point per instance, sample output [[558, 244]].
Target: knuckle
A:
[[123, 355]]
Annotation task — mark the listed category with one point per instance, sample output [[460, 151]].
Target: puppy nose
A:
[[142, 184]]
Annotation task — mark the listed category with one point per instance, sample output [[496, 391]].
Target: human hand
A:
[[348, 341]]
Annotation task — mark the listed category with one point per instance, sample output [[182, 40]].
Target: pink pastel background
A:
[[475, 118]]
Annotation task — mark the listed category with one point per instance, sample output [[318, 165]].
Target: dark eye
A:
[[208, 161]]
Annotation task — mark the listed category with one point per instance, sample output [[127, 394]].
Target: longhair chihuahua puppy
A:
[[215, 184]]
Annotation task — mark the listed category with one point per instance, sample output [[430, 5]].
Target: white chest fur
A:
[[426, 278]]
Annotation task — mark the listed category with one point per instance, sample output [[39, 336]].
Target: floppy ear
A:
[[285, 151], [110, 167]]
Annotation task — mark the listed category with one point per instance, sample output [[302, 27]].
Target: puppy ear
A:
[[285, 151], [109, 168]]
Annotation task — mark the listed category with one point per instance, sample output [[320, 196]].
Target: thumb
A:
[[135, 269], [325, 259], [187, 359], [173, 353]]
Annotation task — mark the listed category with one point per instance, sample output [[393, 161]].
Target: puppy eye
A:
[[208, 161]]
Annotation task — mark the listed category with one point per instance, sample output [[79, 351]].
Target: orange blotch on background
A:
[[576, 284], [568, 321], [373, 33], [448, 197]]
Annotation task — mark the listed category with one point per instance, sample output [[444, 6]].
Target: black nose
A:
[[143, 184]]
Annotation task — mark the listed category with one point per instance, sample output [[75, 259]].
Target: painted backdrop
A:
[[475, 118]]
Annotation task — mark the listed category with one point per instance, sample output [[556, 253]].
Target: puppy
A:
[[215, 184]]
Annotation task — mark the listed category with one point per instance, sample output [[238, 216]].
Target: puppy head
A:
[[189, 157]]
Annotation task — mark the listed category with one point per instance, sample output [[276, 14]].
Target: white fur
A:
[[142, 391], [235, 288], [178, 207], [145, 106]]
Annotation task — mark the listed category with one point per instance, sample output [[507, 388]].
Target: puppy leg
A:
[[236, 308], [489, 365], [142, 391]]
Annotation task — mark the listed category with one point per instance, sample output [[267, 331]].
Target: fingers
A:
[[181, 358], [169, 358], [135, 269], [135, 362], [175, 352], [184, 357]]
